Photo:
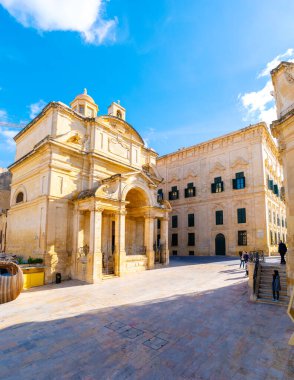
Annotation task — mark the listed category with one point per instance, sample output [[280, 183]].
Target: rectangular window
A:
[[190, 191], [271, 184], [175, 221], [158, 224], [174, 241], [283, 223], [276, 190], [219, 217], [242, 237], [159, 195], [276, 238], [269, 216], [239, 181], [191, 253], [191, 239], [271, 237], [191, 220], [274, 217], [241, 215], [278, 220], [82, 110], [174, 253], [173, 194], [217, 186]]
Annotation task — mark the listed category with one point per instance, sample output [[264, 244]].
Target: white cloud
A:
[[260, 105], [6, 133], [287, 56], [3, 116], [36, 108], [84, 17]]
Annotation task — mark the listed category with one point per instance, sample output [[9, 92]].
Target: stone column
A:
[[120, 250], [149, 241], [76, 222], [164, 240], [95, 251]]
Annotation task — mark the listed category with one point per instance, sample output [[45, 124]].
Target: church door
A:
[[220, 244]]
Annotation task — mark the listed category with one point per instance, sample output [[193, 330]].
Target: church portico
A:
[[115, 229]]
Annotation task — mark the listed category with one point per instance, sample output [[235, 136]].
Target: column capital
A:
[[148, 216], [121, 212], [96, 208]]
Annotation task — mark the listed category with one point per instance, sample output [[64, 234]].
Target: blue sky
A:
[[186, 71]]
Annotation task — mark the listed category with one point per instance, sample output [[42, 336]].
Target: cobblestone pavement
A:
[[191, 320]]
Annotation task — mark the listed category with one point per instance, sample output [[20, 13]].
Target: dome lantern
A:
[[85, 105]]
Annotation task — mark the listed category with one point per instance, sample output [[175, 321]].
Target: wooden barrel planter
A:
[[11, 281]]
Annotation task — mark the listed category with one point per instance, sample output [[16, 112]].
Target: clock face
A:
[[289, 76]]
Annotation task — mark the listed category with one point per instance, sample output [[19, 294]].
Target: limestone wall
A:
[[242, 151]]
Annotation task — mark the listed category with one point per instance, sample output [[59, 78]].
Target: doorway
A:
[[220, 245]]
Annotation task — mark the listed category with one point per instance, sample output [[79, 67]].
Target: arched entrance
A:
[[220, 244], [137, 204]]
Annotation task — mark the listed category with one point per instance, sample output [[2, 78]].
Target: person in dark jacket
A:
[[282, 251], [276, 285]]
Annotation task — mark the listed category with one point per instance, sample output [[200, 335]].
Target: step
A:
[[267, 281], [270, 295], [271, 302]]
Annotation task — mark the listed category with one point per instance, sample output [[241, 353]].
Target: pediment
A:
[[139, 176], [239, 161], [173, 175], [189, 172], [217, 167]]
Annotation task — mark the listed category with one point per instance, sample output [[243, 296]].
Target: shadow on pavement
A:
[[217, 334]]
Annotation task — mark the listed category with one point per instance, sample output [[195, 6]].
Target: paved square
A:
[[191, 320]]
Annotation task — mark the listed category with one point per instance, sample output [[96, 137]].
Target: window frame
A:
[[174, 221], [191, 220], [219, 217], [241, 215], [191, 239], [242, 238]]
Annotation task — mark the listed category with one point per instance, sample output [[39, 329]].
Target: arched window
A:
[[19, 197], [119, 114]]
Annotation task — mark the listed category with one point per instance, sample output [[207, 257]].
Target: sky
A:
[[186, 71]]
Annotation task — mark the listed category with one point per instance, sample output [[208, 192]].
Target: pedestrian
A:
[[246, 268], [242, 259], [282, 251], [276, 285]]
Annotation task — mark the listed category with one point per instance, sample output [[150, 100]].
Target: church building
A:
[[84, 194]]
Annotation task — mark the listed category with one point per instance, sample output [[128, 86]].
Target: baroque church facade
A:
[[84, 194]]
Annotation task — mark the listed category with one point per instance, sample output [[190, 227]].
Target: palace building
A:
[[226, 195], [84, 194]]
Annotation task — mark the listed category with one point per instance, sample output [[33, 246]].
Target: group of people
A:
[[276, 283]]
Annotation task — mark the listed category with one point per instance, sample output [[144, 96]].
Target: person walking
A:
[[242, 260], [282, 251], [276, 285]]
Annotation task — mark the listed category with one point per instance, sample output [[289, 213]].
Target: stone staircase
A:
[[265, 294]]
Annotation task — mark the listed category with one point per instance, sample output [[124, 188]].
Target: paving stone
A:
[[155, 343], [183, 322]]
